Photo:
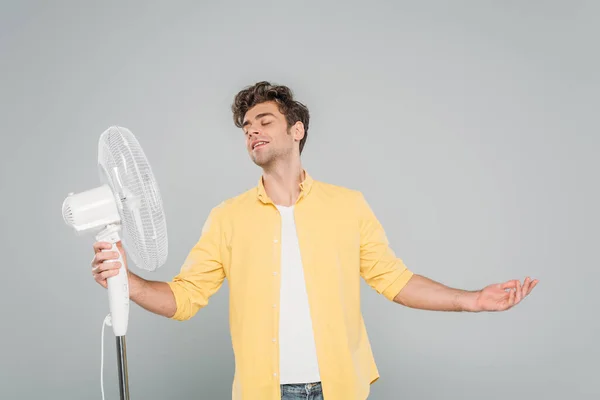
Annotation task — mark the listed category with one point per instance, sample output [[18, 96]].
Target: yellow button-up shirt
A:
[[340, 241]]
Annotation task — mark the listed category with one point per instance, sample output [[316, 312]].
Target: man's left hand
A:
[[503, 296]]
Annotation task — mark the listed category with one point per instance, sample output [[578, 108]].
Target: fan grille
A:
[[124, 167], [68, 212]]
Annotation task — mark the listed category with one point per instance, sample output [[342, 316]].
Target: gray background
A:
[[469, 126]]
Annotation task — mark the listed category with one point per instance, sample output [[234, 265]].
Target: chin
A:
[[258, 161], [262, 162]]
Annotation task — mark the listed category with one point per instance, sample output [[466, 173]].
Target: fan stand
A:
[[122, 363]]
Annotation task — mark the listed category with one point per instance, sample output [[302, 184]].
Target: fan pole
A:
[[122, 360]]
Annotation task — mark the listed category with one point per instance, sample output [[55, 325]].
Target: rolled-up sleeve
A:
[[379, 266], [202, 273]]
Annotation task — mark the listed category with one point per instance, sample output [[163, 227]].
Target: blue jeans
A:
[[302, 391]]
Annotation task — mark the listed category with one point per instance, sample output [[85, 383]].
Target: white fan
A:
[[126, 205]]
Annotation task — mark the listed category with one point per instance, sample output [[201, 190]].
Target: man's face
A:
[[268, 138]]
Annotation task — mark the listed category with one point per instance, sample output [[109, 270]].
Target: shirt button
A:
[[275, 241], [274, 373], [274, 340], [274, 305], [274, 273]]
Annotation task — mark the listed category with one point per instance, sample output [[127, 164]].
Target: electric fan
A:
[[126, 205]]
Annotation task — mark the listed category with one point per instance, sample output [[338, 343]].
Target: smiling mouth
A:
[[258, 145]]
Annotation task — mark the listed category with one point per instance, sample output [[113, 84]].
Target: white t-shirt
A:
[[298, 355]]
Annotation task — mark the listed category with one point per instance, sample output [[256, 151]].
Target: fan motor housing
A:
[[91, 210]]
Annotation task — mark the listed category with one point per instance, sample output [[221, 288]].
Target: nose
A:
[[253, 131]]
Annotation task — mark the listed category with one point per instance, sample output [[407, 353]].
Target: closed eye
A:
[[262, 122]]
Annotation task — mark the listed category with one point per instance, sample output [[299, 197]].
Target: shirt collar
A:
[[305, 187]]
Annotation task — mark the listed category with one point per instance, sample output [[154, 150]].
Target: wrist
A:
[[468, 301]]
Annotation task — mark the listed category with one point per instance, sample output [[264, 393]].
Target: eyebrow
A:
[[259, 116]]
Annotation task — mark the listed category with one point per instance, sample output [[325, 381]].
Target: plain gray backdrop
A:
[[470, 126]]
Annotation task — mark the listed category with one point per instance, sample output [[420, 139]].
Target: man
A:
[[294, 250]]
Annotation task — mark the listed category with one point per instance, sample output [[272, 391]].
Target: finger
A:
[[110, 266], [526, 285], [509, 285], [518, 293], [533, 284], [105, 275], [99, 246], [106, 272], [102, 256], [511, 298]]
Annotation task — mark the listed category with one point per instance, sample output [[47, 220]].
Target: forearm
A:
[[153, 296], [425, 294]]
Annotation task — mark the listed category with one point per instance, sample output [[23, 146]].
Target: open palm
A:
[[503, 296]]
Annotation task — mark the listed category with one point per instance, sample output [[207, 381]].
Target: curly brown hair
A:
[[261, 92]]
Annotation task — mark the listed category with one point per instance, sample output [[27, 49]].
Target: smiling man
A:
[[294, 250]]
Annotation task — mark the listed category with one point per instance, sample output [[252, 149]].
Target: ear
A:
[[298, 131]]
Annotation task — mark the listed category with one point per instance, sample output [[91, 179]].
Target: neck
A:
[[282, 182]]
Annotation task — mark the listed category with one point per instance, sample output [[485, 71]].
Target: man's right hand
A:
[[154, 296], [102, 270]]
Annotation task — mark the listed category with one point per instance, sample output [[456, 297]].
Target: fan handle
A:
[[118, 285]]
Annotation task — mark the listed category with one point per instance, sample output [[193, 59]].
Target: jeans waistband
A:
[[303, 388]]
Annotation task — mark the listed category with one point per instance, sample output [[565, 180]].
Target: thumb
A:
[[512, 284], [119, 245]]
